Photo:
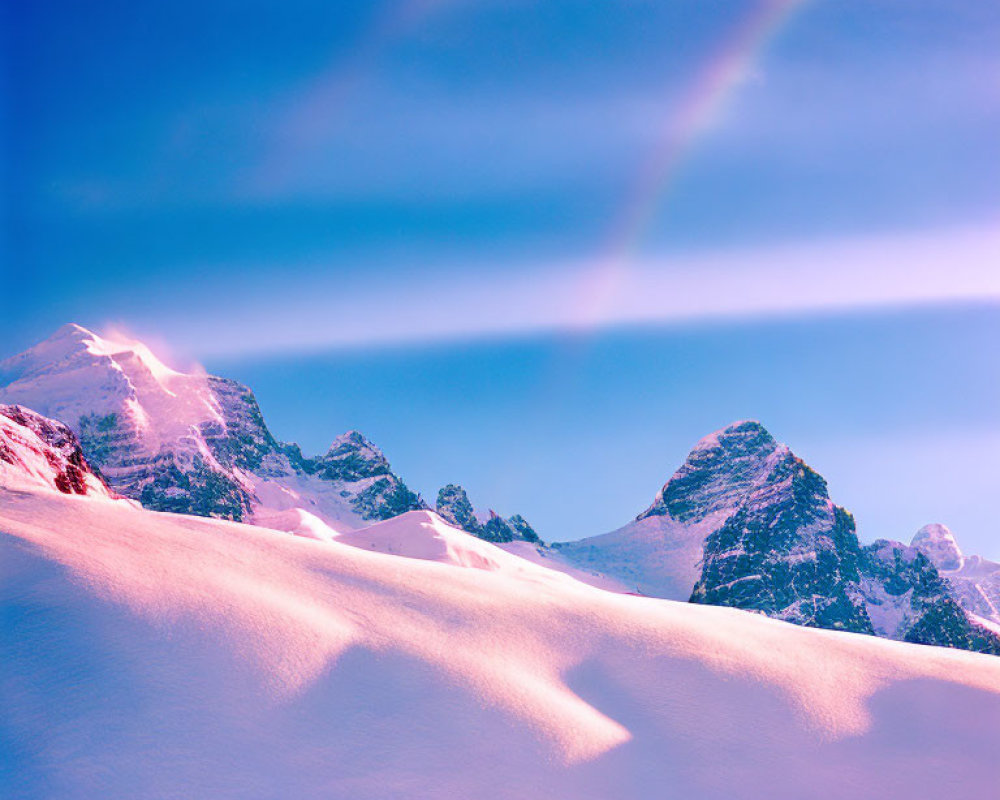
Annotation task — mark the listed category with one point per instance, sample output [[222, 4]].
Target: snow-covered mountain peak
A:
[[744, 522], [73, 342], [77, 375], [660, 552], [938, 543], [733, 434], [190, 442]]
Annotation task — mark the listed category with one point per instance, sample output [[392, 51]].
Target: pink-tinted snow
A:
[[155, 655]]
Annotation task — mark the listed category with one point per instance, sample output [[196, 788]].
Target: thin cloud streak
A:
[[890, 271]]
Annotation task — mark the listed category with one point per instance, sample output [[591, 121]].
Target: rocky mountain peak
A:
[[938, 543], [787, 551], [749, 524], [718, 473], [352, 457]]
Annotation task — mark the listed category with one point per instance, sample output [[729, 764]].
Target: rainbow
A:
[[699, 110]]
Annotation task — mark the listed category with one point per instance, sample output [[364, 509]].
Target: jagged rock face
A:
[[352, 457], [385, 498], [794, 555], [497, 529], [522, 530], [454, 507], [788, 552], [922, 608], [375, 492], [240, 438], [718, 473], [193, 443], [38, 451]]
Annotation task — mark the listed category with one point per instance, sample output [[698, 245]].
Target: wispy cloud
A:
[[888, 271]]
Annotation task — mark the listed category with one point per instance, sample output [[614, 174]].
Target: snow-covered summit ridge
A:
[[190, 442], [77, 373], [39, 452]]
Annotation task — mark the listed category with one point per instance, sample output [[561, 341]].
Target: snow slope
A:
[[657, 555], [152, 655]]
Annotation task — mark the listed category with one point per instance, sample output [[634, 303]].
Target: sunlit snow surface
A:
[[153, 655]]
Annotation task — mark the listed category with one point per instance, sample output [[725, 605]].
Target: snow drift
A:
[[157, 655]]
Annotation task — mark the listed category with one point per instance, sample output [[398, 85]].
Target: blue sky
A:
[[408, 212]]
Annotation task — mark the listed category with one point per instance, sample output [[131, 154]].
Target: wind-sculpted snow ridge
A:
[[746, 523], [156, 655], [37, 451], [193, 443]]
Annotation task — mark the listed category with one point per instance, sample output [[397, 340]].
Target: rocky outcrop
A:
[[38, 451], [522, 530], [454, 507], [938, 543], [787, 551]]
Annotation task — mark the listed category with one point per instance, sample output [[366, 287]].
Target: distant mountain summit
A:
[[746, 523], [938, 543], [193, 443], [453, 506], [973, 580]]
